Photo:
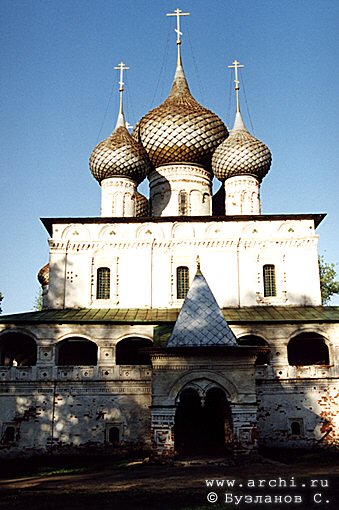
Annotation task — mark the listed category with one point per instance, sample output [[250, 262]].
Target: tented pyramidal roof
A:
[[200, 321]]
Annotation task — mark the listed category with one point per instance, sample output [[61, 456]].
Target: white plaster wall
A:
[[118, 197], [167, 181], [143, 258], [242, 195]]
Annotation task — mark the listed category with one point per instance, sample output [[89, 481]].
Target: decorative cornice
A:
[[67, 246]]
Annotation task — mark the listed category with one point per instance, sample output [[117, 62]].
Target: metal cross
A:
[[121, 67], [178, 13], [236, 65]]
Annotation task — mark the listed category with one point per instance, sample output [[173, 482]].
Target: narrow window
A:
[[182, 282], [183, 203], [205, 198], [113, 435], [269, 280], [295, 428], [103, 283], [9, 435]]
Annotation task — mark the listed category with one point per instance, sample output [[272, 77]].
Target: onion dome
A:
[[180, 130], [119, 155], [241, 154], [141, 205], [43, 275]]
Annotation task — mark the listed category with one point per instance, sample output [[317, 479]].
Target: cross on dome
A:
[[236, 65], [121, 67], [178, 12]]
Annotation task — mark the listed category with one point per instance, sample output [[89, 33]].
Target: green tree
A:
[[328, 283], [38, 301], [1, 298]]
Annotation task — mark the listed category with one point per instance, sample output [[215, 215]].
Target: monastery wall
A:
[[47, 404]]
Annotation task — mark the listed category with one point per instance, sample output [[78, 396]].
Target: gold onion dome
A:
[[241, 154], [43, 275], [119, 156], [180, 130]]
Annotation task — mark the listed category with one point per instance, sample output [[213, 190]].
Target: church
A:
[[183, 322]]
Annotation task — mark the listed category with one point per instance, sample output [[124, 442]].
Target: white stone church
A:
[[186, 322]]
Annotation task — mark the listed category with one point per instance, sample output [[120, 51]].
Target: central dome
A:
[[180, 130]]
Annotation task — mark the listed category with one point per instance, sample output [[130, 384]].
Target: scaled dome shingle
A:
[[180, 130], [241, 154], [119, 156], [43, 275]]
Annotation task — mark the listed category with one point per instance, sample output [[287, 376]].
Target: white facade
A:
[[144, 256]]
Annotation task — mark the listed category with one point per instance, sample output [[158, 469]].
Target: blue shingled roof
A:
[[200, 321]]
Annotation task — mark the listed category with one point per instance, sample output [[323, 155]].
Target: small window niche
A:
[[183, 203], [9, 434], [296, 428], [113, 434]]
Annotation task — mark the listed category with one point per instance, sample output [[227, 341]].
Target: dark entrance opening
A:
[[77, 351], [203, 428], [307, 349], [17, 349], [113, 435]]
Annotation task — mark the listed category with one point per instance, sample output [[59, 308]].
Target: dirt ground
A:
[[88, 483]]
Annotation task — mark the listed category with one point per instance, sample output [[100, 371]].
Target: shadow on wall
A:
[[295, 408], [75, 412]]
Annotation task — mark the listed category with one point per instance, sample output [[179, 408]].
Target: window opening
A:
[[113, 435], [8, 435], [17, 349], [77, 351], [129, 351], [182, 282], [183, 203], [307, 349], [269, 280], [295, 428], [103, 283]]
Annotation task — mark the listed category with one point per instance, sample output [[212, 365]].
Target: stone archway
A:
[[203, 423]]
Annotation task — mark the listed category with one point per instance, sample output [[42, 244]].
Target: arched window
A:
[[113, 435], [103, 283], [129, 351], [17, 349], [263, 358], [8, 434], [183, 203], [77, 351], [295, 428], [269, 280], [182, 282], [307, 349]]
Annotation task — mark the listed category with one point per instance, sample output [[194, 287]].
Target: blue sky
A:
[[57, 59]]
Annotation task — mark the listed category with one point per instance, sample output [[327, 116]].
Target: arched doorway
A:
[[203, 425]]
